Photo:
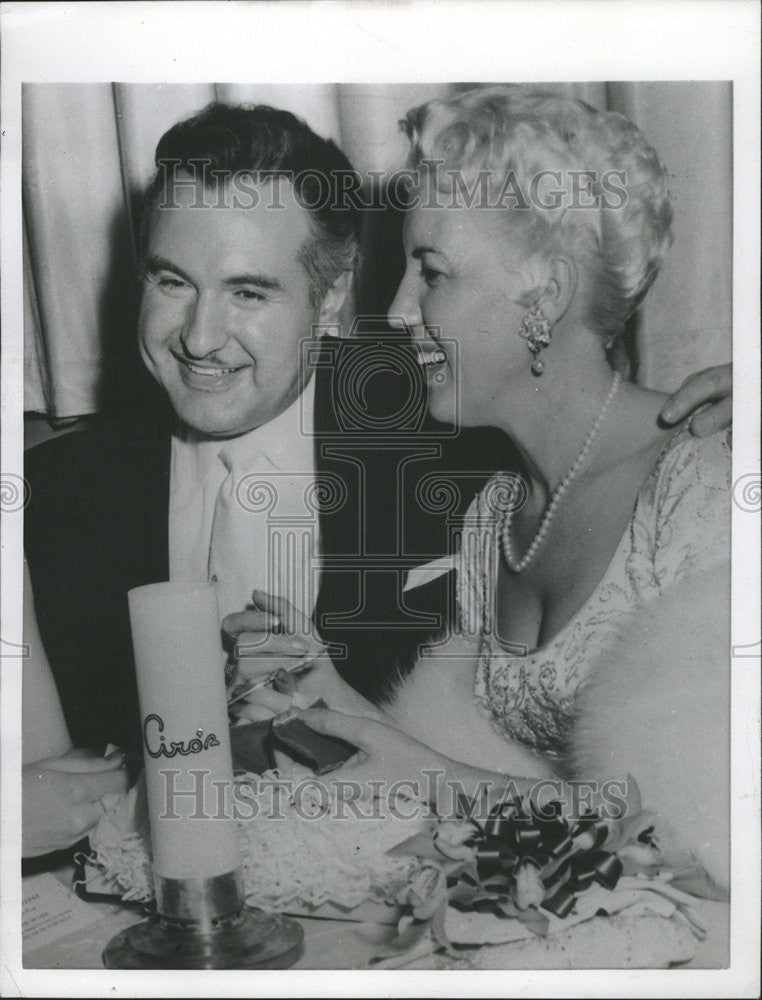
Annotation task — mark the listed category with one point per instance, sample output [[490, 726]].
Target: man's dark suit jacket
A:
[[97, 526]]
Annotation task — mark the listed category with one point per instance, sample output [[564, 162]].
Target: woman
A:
[[615, 519]]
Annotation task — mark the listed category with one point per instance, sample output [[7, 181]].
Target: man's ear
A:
[[560, 289], [334, 300]]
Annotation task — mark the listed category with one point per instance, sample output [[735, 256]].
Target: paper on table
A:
[[49, 911]]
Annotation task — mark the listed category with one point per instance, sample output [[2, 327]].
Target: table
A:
[[328, 944]]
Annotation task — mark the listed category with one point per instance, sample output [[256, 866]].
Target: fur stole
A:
[[434, 703], [656, 705]]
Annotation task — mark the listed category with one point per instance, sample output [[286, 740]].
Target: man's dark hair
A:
[[260, 142]]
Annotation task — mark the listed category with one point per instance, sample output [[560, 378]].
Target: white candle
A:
[[176, 641]]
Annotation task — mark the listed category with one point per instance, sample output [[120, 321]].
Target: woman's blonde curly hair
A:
[[612, 208]]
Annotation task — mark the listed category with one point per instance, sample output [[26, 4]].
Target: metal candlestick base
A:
[[256, 941], [202, 925]]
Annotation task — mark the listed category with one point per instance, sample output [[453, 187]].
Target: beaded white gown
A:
[[680, 527]]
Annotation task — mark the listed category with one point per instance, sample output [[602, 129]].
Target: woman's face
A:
[[457, 297]]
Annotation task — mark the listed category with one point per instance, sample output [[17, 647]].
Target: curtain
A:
[[88, 151]]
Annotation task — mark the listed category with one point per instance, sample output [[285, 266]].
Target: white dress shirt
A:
[[243, 511]]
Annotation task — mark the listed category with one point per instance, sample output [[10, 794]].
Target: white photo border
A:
[[413, 42]]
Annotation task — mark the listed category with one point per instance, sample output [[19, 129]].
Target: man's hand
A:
[[270, 636], [708, 396], [62, 798], [273, 637]]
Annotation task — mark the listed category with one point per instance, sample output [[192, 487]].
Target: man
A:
[[245, 264], [239, 280]]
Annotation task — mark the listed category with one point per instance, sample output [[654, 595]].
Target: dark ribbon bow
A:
[[514, 834]]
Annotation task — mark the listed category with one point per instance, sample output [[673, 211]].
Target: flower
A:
[[584, 841], [528, 889], [425, 891], [640, 854], [522, 864], [450, 838]]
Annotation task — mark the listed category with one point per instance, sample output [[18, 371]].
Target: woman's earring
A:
[[535, 329]]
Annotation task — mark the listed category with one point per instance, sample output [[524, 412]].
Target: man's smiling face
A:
[[225, 305]]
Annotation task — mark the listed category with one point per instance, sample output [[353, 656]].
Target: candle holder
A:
[[204, 923]]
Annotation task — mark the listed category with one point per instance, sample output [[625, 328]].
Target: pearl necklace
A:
[[505, 528]]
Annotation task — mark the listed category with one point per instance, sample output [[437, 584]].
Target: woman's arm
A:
[[44, 732], [62, 788], [389, 755], [389, 760]]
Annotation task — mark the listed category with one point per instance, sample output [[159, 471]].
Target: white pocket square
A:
[[419, 575]]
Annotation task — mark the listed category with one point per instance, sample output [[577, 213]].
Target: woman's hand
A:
[[61, 798], [384, 754], [387, 755], [708, 396]]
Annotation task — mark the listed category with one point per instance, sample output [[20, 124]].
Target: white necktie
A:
[[264, 533]]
